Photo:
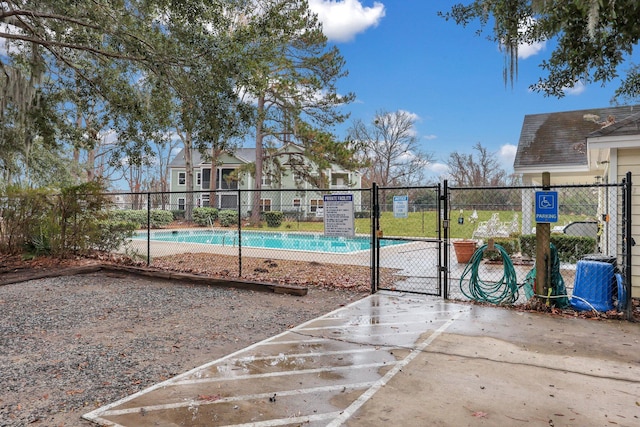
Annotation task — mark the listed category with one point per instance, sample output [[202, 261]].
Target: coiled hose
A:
[[504, 291]]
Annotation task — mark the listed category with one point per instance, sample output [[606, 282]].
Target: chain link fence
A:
[[287, 236], [460, 243], [493, 236], [268, 235]]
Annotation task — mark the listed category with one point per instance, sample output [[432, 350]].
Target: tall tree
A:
[[294, 82], [594, 38], [207, 111], [390, 148], [98, 51], [479, 170]]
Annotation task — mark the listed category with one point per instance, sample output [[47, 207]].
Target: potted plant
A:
[[464, 249]]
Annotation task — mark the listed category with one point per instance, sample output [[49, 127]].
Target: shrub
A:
[[139, 217], [114, 234], [511, 245], [178, 214], [363, 214], [205, 216], [274, 218], [228, 217], [79, 212], [160, 218], [570, 248], [27, 220]]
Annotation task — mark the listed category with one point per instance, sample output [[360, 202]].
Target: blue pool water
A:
[[270, 240]]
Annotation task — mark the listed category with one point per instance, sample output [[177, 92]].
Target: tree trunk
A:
[[255, 209], [213, 179], [188, 166]]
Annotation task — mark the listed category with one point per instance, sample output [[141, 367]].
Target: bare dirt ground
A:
[[70, 344]]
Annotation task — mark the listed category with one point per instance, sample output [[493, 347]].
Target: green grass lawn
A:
[[418, 224]]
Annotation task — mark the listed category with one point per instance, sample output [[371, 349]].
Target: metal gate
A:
[[413, 252]]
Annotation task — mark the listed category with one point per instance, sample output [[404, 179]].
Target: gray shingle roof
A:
[[560, 139], [247, 155]]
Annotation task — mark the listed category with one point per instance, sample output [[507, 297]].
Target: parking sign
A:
[[546, 206]]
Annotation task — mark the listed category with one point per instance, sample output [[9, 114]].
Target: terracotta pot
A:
[[464, 250]]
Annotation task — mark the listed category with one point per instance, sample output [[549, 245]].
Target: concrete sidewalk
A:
[[406, 360]]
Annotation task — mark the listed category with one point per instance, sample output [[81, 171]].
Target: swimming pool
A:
[[270, 240]]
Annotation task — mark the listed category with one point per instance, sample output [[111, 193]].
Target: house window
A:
[[205, 200], [228, 201], [198, 179], [182, 178], [315, 204], [206, 179], [181, 203], [265, 205], [297, 203], [266, 180], [226, 180]]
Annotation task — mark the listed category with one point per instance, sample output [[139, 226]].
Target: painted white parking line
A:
[[285, 373], [353, 354], [257, 396], [312, 354], [371, 325], [399, 312], [357, 404], [288, 421]]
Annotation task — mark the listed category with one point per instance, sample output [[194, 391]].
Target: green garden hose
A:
[[504, 291]]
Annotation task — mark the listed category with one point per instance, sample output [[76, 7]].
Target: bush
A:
[[570, 248], [363, 214], [228, 217], [139, 217], [204, 217], [178, 214], [114, 234], [27, 220], [511, 245], [274, 218], [158, 218]]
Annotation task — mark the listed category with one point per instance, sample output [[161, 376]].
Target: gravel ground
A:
[[71, 344]]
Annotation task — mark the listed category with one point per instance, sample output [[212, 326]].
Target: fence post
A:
[[375, 227], [148, 229], [239, 233], [443, 212], [543, 248], [628, 244]]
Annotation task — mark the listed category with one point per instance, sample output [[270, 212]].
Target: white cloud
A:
[[527, 50], [438, 169], [413, 116], [343, 19], [577, 89], [430, 137], [507, 155]]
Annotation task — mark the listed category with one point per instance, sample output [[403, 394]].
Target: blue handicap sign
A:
[[546, 206]]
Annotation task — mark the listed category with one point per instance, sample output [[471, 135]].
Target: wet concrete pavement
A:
[[407, 360]]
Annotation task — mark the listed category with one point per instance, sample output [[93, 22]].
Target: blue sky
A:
[[402, 56]]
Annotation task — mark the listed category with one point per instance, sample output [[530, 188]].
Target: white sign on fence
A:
[[339, 215], [401, 206]]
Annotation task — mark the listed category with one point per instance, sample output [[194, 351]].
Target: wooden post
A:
[[543, 248]]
